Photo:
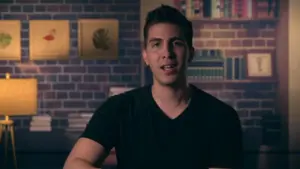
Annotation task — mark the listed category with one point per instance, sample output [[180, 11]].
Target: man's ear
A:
[[192, 53], [145, 58]]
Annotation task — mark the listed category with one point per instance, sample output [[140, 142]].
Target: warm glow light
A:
[[18, 96]]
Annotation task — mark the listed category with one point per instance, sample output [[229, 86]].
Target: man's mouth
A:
[[168, 67]]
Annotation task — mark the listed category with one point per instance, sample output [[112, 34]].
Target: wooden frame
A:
[[10, 40], [49, 39], [98, 39], [266, 70]]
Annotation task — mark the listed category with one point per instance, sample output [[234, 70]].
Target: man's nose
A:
[[168, 51]]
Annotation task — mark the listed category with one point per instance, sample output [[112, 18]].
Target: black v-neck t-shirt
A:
[[207, 134]]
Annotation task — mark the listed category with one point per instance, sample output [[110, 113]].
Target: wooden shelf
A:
[[235, 19], [231, 81]]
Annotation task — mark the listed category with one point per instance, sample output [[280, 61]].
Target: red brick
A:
[[73, 69], [101, 78], [224, 34], [247, 43], [3, 8], [271, 43], [223, 43], [6, 69], [210, 43], [235, 43], [124, 69], [224, 26], [236, 25], [50, 69], [26, 69], [196, 32], [63, 86], [268, 33], [52, 104], [44, 87], [259, 43], [89, 86], [74, 104], [248, 33], [199, 43], [64, 8], [53, 8], [49, 95], [205, 34], [230, 52], [210, 26]]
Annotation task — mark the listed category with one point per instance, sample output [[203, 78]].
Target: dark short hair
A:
[[168, 14]]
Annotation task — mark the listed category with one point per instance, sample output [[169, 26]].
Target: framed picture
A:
[[10, 40], [98, 39], [49, 39], [260, 65]]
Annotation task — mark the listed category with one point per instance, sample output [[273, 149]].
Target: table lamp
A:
[[18, 97]]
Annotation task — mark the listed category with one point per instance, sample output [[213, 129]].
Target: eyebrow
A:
[[171, 39]]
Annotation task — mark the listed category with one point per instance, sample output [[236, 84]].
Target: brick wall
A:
[[75, 85], [254, 100]]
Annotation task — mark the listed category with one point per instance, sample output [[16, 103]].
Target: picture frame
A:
[[49, 39], [260, 65], [10, 40], [98, 39]]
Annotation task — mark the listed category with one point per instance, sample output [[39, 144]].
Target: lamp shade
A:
[[18, 97]]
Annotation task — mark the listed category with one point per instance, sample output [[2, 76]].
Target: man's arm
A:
[[85, 154], [99, 137], [226, 150]]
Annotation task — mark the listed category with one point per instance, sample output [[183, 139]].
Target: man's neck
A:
[[171, 95]]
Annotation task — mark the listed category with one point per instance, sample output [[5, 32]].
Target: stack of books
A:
[[207, 65], [78, 121], [40, 123], [227, 8]]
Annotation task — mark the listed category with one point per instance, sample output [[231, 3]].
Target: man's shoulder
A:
[[211, 102]]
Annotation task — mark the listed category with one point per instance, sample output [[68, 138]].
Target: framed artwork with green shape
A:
[[98, 39], [10, 40]]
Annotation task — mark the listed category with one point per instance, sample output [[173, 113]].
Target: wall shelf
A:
[[241, 20], [231, 81]]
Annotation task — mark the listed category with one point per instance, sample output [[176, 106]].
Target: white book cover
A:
[[40, 129], [77, 126], [42, 118], [39, 124]]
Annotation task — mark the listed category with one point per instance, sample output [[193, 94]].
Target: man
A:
[[170, 124]]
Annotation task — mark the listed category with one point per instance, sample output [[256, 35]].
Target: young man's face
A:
[[167, 53]]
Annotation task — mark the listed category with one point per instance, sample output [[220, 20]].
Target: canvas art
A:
[[10, 40], [49, 39], [98, 39]]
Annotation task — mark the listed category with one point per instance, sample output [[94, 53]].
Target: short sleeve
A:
[[226, 150], [104, 125]]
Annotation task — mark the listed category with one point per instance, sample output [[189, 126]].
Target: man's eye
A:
[[178, 43], [155, 45]]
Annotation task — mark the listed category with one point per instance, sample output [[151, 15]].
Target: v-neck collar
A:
[[161, 113]]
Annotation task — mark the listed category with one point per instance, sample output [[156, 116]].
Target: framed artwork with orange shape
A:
[[10, 40], [49, 39]]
